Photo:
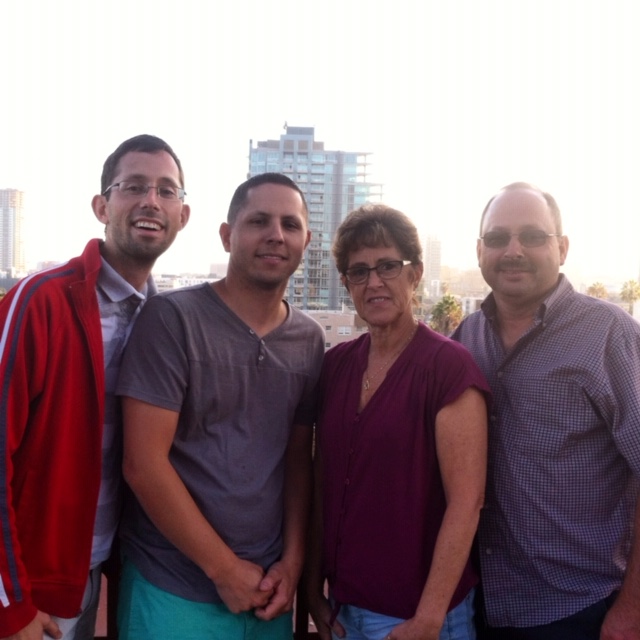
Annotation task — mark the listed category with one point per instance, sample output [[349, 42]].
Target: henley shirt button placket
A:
[[261, 348]]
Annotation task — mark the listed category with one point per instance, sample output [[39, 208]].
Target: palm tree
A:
[[446, 315], [597, 290], [630, 293]]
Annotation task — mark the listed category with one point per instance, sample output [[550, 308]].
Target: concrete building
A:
[[339, 326], [12, 255], [470, 304], [432, 258], [334, 183], [166, 282]]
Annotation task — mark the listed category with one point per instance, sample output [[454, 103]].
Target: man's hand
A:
[[240, 587], [40, 626], [321, 612], [622, 622], [281, 583]]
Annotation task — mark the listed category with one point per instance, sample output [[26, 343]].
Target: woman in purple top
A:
[[400, 457]]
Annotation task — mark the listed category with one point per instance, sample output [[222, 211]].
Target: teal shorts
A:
[[148, 613]]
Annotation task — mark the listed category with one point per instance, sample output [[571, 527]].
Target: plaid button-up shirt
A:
[[564, 456]]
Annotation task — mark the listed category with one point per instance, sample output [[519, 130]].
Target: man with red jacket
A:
[[63, 333]]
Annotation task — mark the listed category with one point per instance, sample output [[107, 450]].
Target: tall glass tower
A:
[[334, 183], [12, 256]]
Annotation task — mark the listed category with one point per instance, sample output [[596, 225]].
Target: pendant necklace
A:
[[366, 385]]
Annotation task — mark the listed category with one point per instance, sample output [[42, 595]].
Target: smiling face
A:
[[383, 303], [140, 228], [519, 276], [267, 238]]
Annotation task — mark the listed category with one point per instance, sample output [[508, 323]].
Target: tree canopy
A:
[[630, 293], [597, 290], [446, 315]]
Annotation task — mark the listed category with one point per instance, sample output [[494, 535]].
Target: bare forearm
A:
[[148, 436], [167, 502], [170, 506], [451, 553], [461, 441]]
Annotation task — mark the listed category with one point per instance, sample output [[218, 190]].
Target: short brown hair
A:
[[144, 143], [375, 225]]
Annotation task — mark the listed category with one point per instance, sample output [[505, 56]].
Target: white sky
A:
[[455, 99]]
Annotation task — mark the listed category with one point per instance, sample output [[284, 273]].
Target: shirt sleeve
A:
[[20, 374], [155, 364], [456, 371]]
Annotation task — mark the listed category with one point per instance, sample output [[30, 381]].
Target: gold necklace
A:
[[366, 385]]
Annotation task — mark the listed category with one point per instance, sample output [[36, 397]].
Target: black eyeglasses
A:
[[386, 270], [530, 238], [139, 190]]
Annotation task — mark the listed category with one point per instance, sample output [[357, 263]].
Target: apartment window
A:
[[344, 330]]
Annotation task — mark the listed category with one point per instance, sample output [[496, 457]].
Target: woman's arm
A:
[[461, 443]]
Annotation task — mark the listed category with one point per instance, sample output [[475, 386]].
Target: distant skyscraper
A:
[[432, 249], [11, 231], [334, 183]]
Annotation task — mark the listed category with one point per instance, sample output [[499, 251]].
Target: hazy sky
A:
[[455, 99]]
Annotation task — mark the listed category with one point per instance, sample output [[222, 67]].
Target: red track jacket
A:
[[51, 416]]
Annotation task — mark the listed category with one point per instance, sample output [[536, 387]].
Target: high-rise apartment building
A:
[[432, 258], [12, 258], [334, 183]]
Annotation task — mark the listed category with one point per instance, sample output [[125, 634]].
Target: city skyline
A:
[[453, 100]]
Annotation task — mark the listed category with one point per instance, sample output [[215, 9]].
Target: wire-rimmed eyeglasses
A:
[[139, 190], [387, 270]]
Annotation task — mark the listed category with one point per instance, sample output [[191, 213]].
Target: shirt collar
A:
[[546, 308], [117, 289]]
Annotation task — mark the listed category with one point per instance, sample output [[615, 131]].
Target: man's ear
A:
[[563, 245], [99, 206], [225, 236], [185, 214]]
